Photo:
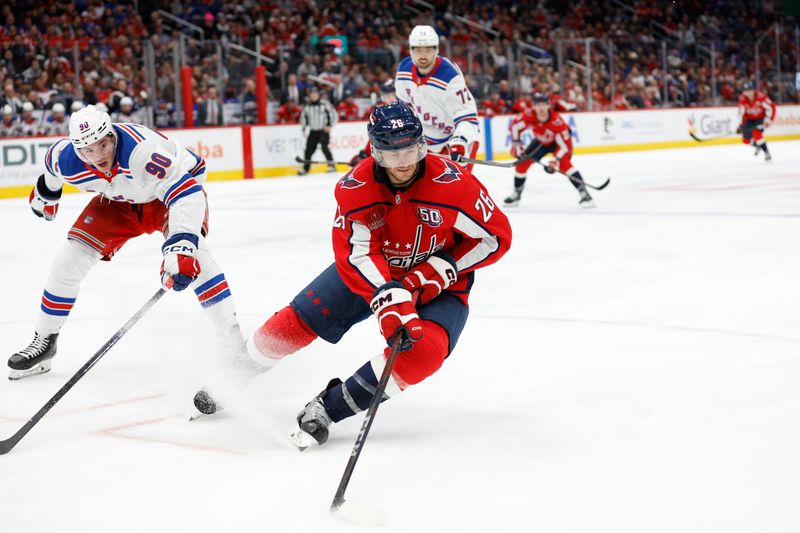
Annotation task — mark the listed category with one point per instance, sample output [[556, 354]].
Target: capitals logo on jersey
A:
[[452, 172], [349, 182]]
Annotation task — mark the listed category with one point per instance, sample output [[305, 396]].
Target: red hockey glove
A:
[[429, 279], [739, 129], [516, 149], [44, 202], [397, 315], [458, 149], [179, 267], [552, 166]]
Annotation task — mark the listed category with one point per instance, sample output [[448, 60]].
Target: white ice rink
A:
[[632, 368]]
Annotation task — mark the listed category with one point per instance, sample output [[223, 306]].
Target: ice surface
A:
[[631, 368]]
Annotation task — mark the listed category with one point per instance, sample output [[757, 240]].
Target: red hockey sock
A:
[[283, 334]]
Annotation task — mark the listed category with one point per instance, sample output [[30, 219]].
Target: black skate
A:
[[35, 359], [331, 167], [586, 199], [513, 200], [768, 157], [313, 421]]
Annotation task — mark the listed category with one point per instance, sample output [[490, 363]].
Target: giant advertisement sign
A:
[[625, 130], [21, 160]]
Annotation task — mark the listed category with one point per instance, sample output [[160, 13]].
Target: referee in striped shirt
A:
[[317, 119]]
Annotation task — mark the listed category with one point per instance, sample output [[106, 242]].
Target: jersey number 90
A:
[[158, 165]]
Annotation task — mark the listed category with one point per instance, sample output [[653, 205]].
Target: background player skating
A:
[[757, 113], [409, 231], [435, 88], [144, 182], [551, 136]]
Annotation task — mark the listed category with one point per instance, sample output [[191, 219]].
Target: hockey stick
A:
[[490, 163], [338, 499], [8, 444], [595, 187], [693, 131], [526, 158], [312, 162]]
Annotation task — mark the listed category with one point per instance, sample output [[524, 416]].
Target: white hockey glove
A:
[[458, 149], [432, 277], [44, 202], [179, 267]]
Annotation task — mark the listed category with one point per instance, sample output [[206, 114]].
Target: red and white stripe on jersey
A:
[[487, 243], [128, 128], [360, 239], [85, 238]]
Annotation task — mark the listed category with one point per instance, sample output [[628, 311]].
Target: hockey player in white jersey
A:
[[435, 88], [144, 182]]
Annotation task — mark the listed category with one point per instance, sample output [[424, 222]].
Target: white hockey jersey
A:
[[148, 167], [442, 101]]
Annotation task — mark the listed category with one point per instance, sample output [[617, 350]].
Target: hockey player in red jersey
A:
[[410, 229], [757, 112], [551, 136]]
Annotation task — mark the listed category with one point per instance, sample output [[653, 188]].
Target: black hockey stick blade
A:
[[693, 135], [599, 187], [338, 499], [8, 444]]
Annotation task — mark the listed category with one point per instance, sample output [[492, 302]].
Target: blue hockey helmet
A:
[[395, 133], [749, 86]]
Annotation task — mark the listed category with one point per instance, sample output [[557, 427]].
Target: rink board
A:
[[237, 152]]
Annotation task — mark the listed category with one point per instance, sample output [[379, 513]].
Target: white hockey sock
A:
[[213, 292], [72, 262]]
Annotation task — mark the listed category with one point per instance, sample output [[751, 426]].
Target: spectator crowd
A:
[[57, 56]]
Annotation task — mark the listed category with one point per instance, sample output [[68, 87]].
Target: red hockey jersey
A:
[[381, 232], [759, 107], [553, 130]]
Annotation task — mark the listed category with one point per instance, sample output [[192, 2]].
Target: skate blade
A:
[[300, 439], [588, 205], [41, 368], [511, 204]]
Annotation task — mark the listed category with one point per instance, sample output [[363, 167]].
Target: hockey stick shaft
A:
[[573, 180], [7, 445], [490, 163], [338, 499], [715, 138], [313, 162]]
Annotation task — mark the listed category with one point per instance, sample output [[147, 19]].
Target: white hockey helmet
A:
[[126, 101], [58, 107], [27, 106], [8, 110], [88, 125], [423, 36]]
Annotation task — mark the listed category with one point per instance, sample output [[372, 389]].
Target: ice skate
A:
[[586, 201], [513, 199], [313, 421], [331, 167], [302, 172], [35, 359], [768, 157]]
